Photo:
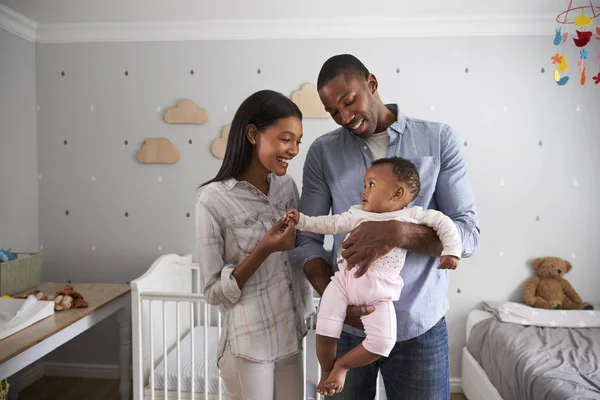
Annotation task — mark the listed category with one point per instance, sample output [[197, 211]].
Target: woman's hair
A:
[[262, 109]]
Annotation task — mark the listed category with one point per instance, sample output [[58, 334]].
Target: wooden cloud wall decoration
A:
[[158, 151], [308, 101], [186, 112], [219, 145]]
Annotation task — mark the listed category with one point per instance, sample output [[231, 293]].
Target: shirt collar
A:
[[396, 128], [230, 183], [400, 123]]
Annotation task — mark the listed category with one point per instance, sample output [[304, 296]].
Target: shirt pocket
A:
[[429, 169], [247, 231], [285, 206]]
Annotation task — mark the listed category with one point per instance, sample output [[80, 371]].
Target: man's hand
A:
[[369, 241], [372, 240], [354, 313], [448, 262]]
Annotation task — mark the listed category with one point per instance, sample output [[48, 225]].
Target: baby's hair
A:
[[405, 171]]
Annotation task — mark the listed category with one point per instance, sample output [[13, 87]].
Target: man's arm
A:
[[417, 238], [454, 195], [315, 200]]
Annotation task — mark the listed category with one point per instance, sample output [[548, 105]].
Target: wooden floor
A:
[[57, 388]]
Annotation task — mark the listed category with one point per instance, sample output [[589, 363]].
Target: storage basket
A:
[[20, 274]]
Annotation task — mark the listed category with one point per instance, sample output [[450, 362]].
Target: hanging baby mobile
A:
[[583, 18]]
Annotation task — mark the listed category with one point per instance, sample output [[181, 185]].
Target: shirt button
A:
[[273, 219], [365, 147], [246, 222], [285, 262], [266, 201]]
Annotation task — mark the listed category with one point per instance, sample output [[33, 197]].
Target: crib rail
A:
[[178, 298], [161, 321]]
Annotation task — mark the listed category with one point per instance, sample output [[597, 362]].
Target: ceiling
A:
[[83, 11]]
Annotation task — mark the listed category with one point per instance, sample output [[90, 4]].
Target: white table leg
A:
[[124, 318]]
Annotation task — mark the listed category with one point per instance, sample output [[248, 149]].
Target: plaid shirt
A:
[[265, 320]]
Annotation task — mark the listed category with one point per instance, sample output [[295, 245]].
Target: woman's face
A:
[[277, 144]]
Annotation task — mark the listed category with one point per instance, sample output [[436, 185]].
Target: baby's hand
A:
[[448, 262], [292, 215]]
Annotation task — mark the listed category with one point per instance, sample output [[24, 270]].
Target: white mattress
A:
[[213, 372], [474, 381], [474, 317], [186, 364]]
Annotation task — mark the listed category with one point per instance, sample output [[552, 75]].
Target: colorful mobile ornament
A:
[[584, 16]]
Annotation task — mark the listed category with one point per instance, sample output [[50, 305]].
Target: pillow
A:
[[522, 314]]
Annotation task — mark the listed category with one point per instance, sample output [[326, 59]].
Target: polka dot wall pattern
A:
[[159, 200]]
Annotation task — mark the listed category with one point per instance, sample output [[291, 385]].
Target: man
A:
[[418, 366]]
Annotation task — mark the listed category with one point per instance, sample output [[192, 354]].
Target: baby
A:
[[390, 185]]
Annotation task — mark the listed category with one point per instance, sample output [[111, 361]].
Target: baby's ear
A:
[[399, 194], [537, 263]]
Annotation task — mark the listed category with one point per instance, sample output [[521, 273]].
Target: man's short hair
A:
[[345, 64]]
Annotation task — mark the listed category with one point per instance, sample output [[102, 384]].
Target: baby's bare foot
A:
[[336, 379], [321, 389]]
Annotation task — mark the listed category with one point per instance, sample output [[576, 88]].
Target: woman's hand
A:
[[279, 238], [292, 215]]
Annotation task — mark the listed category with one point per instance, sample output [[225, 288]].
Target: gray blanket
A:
[[532, 363]]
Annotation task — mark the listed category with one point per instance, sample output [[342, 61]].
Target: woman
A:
[[242, 249]]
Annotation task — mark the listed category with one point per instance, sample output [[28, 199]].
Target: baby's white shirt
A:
[[345, 222]]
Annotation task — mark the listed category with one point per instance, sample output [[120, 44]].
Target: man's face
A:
[[350, 103]]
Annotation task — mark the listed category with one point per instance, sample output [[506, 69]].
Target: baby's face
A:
[[381, 190]]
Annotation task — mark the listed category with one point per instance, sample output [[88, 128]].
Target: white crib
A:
[[172, 321]]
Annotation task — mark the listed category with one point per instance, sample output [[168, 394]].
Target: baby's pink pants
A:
[[378, 287]]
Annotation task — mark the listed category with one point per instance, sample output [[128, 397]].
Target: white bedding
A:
[[522, 314]]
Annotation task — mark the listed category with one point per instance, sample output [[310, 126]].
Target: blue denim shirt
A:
[[333, 181]]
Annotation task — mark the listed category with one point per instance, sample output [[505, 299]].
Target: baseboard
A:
[[27, 376], [40, 369], [78, 370], [455, 385], [104, 371]]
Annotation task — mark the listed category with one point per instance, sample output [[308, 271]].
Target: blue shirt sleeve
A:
[[315, 200], [453, 192]]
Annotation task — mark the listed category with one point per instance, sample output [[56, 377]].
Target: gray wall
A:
[[18, 145], [502, 109]]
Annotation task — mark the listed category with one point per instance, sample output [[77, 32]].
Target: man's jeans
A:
[[417, 369]]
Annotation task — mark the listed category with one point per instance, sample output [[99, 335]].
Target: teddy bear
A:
[[549, 289]]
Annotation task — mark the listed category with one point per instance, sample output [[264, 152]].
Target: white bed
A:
[[474, 381], [170, 320], [531, 353]]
